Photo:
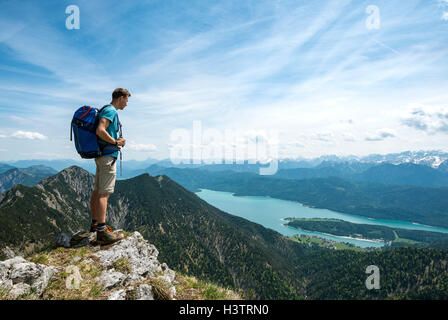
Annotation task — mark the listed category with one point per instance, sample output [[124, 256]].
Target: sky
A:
[[273, 78]]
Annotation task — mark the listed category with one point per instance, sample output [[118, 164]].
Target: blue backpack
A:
[[83, 128]]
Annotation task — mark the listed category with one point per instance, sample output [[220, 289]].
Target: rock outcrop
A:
[[128, 269], [21, 278], [137, 262]]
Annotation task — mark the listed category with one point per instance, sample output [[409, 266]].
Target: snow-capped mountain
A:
[[430, 158]]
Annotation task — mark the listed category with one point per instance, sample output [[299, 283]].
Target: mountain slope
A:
[[27, 176], [398, 174], [32, 217], [192, 236], [5, 167], [404, 174], [203, 241], [198, 239]]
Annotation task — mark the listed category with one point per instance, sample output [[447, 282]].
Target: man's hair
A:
[[120, 92]]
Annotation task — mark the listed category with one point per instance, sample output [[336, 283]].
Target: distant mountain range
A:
[[398, 174], [27, 176], [386, 173], [431, 158]]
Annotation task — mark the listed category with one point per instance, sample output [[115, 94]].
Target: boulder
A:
[[19, 290], [8, 253], [110, 278], [144, 292], [117, 295], [21, 276], [140, 255]]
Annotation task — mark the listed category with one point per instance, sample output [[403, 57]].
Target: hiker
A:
[[106, 167]]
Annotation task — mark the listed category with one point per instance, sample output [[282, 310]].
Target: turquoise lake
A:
[[269, 212]]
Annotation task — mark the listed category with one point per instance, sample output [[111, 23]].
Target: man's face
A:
[[123, 102]]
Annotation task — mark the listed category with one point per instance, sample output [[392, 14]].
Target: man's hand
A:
[[121, 142]]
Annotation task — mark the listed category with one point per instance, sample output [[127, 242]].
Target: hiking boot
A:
[[81, 239], [107, 236]]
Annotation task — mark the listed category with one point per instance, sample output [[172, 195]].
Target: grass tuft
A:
[[122, 265], [160, 289], [189, 288]]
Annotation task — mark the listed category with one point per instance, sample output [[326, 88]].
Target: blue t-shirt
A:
[[109, 113]]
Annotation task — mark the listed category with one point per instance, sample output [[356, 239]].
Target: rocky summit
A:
[[130, 264], [126, 270]]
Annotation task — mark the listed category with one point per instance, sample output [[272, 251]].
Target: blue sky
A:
[[318, 73]]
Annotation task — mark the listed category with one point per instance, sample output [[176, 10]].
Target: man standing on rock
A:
[[107, 132]]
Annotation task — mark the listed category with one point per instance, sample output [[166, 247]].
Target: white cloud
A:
[[349, 137], [323, 136], [28, 135], [295, 144], [445, 16], [381, 135], [431, 119], [141, 147]]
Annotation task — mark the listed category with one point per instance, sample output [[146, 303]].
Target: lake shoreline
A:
[[234, 194], [272, 212], [343, 237]]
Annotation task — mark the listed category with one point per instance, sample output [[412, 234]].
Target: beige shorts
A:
[[106, 171]]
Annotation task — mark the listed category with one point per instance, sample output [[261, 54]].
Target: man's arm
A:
[[103, 134]]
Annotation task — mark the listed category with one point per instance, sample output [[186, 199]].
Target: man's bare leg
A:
[[98, 207], [93, 206], [104, 234], [101, 207]]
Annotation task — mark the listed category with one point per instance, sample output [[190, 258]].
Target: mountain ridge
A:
[[26, 176]]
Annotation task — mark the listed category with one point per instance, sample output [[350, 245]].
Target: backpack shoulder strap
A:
[[103, 107], [118, 129]]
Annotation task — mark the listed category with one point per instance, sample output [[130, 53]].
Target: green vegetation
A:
[[310, 241], [191, 236], [323, 243], [190, 288], [397, 236], [405, 273], [187, 287], [160, 289], [32, 217], [122, 265], [200, 241]]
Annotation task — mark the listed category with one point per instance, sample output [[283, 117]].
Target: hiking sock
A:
[[93, 225], [101, 227]]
